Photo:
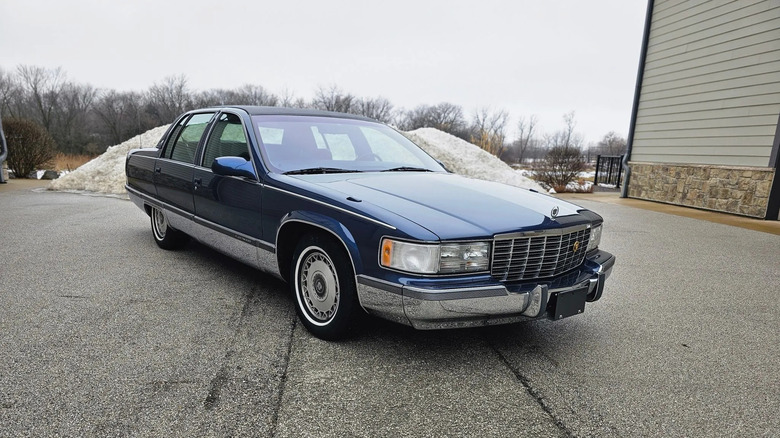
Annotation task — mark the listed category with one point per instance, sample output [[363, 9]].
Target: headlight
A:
[[595, 238], [410, 257], [450, 258], [464, 257]]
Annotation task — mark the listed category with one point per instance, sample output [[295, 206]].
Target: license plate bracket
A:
[[568, 303]]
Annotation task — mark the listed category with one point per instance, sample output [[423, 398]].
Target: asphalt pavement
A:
[[104, 334]]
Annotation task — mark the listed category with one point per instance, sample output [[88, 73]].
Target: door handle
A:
[[157, 169], [197, 181]]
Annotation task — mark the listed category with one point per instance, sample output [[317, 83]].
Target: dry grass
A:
[[578, 189], [70, 162]]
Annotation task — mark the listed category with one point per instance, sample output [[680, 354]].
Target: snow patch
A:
[[579, 187], [106, 173], [464, 158]]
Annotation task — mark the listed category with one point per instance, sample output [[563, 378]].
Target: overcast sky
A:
[[543, 57]]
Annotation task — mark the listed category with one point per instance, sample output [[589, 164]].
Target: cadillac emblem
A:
[[554, 212], [576, 246]]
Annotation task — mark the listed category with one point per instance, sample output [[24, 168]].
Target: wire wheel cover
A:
[[319, 286]]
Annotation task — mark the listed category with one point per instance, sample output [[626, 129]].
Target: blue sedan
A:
[[355, 217]]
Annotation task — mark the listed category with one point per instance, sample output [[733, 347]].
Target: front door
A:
[[227, 204]]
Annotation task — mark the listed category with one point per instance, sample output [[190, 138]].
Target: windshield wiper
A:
[[408, 169], [319, 170]]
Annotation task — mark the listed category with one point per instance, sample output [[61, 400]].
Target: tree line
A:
[[83, 119]]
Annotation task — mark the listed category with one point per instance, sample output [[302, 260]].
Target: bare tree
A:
[[449, 118], [525, 136], [611, 144], [245, 95], [488, 130], [444, 116], [167, 100], [42, 88], [11, 96], [566, 137], [563, 161], [249, 94], [212, 97], [416, 118], [119, 115], [71, 121], [377, 108], [333, 99], [288, 99]]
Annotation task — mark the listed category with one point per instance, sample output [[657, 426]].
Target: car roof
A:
[[283, 111]]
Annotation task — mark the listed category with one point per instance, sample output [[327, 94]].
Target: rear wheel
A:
[[164, 236], [323, 283]]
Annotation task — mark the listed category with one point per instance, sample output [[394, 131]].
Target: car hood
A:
[[448, 205]]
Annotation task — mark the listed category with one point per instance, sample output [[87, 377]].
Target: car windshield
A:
[[308, 145]]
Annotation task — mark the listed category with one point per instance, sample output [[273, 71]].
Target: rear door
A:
[[175, 168]]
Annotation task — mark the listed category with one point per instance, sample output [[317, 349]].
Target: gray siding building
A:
[[704, 128]]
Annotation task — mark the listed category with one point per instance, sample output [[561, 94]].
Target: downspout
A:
[[773, 206], [637, 91], [3, 151]]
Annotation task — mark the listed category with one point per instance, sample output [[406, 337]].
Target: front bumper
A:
[[452, 303]]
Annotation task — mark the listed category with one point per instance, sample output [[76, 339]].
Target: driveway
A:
[[104, 334]]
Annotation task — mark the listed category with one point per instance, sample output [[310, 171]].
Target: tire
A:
[[323, 284], [164, 236]]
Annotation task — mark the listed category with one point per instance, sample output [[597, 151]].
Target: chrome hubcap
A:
[[319, 286], [160, 224]]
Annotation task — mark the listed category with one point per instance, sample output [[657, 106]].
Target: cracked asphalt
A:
[[104, 334]]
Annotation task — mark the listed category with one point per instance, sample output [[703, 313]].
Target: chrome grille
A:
[[540, 254]]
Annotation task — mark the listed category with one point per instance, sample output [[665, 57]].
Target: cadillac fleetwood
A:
[[357, 218]]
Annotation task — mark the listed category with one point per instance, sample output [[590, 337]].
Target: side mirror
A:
[[233, 166]]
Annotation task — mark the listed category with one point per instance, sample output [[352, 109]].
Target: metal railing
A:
[[609, 170]]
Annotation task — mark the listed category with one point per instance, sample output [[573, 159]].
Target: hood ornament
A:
[[554, 212]]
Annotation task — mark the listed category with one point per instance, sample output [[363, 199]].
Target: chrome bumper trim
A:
[[473, 306], [454, 294]]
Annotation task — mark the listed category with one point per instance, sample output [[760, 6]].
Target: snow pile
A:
[[106, 173], [464, 158]]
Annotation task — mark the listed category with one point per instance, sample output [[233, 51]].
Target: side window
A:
[[184, 144], [172, 138], [227, 139]]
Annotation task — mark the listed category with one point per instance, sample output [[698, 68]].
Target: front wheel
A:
[[164, 236], [323, 283]]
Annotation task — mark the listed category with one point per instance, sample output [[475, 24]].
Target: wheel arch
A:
[[297, 224]]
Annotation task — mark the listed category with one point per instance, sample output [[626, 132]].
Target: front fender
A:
[[328, 224]]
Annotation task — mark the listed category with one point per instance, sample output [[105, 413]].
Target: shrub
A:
[[560, 166], [29, 146]]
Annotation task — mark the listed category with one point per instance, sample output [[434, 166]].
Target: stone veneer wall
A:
[[739, 190]]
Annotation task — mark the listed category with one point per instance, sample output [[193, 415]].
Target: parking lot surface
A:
[[104, 334]]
